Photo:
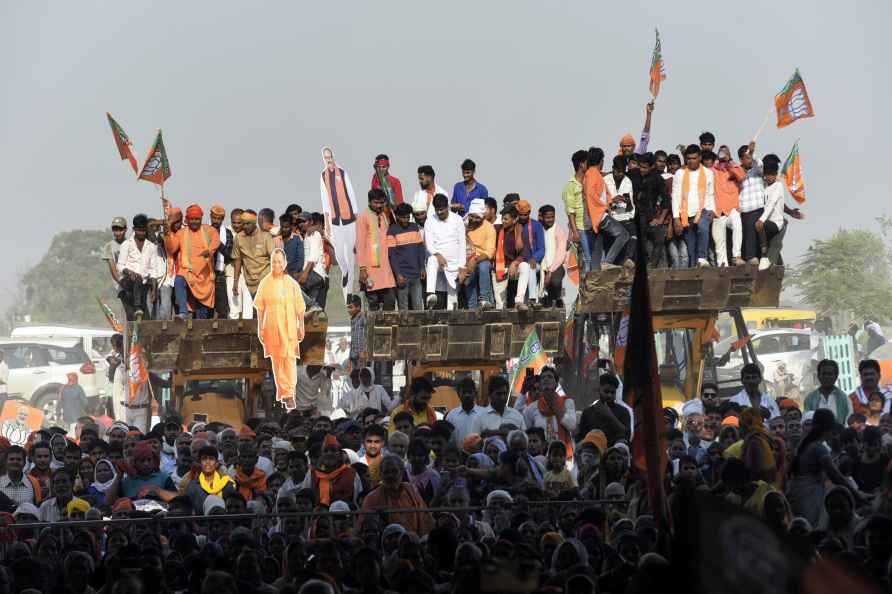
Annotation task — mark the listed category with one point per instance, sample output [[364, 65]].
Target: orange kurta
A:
[[187, 247], [280, 315], [375, 261], [594, 191], [727, 193], [418, 522]]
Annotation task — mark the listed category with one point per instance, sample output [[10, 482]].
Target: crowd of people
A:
[[527, 492], [465, 250]]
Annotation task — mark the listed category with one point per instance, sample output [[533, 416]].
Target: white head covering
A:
[[692, 407], [212, 502], [26, 508], [281, 444], [103, 487], [498, 493], [338, 507], [477, 207]]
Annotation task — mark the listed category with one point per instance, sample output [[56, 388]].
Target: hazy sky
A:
[[247, 93]]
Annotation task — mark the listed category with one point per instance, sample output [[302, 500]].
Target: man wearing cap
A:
[[222, 257], [339, 207], [481, 252], [194, 246], [139, 267], [444, 237], [252, 251], [391, 185], [111, 249], [534, 237], [419, 211], [468, 189], [372, 253]]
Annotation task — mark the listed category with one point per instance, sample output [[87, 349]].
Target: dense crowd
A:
[[526, 491], [465, 250]]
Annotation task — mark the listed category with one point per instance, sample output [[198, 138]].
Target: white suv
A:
[[38, 368]]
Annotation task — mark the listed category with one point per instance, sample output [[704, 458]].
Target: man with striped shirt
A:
[[407, 258]]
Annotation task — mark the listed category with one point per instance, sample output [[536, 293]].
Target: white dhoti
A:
[[440, 279], [343, 239], [241, 305], [534, 282], [523, 282], [138, 417]]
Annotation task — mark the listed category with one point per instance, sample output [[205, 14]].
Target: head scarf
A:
[[217, 209], [420, 203], [597, 438], [471, 442], [523, 207], [104, 487], [211, 502], [496, 441], [751, 421], [498, 493], [76, 505], [483, 461], [330, 440], [194, 211], [26, 508], [477, 207], [731, 421], [692, 407], [787, 404]]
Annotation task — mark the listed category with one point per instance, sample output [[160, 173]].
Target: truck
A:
[[214, 370]]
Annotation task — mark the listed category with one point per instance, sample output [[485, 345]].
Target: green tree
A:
[[850, 272], [62, 287]]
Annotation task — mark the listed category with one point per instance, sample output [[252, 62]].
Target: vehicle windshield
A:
[[672, 348]]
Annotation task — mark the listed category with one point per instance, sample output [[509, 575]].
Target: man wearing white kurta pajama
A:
[[444, 237]]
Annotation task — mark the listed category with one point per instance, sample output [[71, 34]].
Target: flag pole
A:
[[764, 123]]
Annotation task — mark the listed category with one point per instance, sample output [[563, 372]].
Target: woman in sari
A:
[[280, 325]]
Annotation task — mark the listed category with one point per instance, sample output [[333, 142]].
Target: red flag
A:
[[122, 141], [156, 169], [641, 391]]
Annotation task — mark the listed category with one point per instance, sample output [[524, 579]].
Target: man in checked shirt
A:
[[358, 354]]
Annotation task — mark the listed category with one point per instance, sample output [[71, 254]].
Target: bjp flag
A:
[[657, 68], [138, 379], [792, 172], [156, 169], [792, 103], [122, 141]]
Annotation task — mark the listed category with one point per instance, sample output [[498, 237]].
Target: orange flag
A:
[[657, 68], [792, 103], [122, 141], [792, 172], [156, 169]]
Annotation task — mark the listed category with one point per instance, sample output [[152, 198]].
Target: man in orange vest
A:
[[194, 246], [339, 208]]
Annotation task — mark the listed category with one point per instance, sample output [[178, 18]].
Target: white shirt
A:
[[311, 392], [145, 263], [490, 420], [618, 210], [693, 192], [448, 239], [534, 418], [4, 377], [461, 420], [743, 399], [774, 204], [421, 197], [374, 396], [314, 253]]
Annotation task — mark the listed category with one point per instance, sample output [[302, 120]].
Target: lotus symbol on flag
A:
[[152, 165]]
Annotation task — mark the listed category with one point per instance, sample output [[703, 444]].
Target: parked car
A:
[[38, 368], [785, 355]]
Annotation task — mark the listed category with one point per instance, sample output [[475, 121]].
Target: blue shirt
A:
[[130, 486], [461, 196], [537, 241], [294, 252]]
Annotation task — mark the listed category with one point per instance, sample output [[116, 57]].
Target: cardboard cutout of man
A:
[[280, 325], [339, 208]]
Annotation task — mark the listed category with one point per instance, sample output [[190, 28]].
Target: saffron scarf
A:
[[428, 411], [375, 237], [216, 485], [501, 269], [685, 188], [325, 479], [345, 209], [554, 416], [247, 484]]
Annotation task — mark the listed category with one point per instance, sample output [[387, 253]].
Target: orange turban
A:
[[787, 403], [627, 139], [330, 440], [217, 209], [523, 207], [194, 211], [597, 438], [471, 443], [732, 421]]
